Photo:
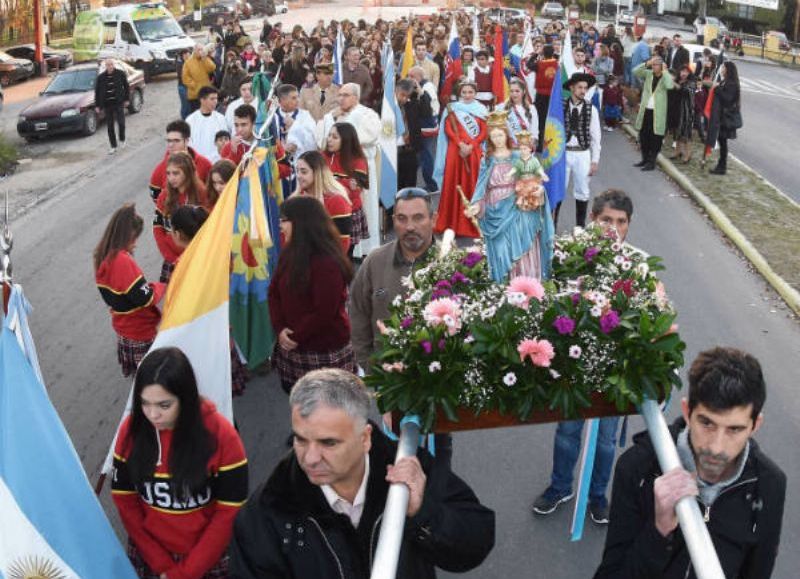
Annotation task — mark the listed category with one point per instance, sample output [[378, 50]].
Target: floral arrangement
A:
[[602, 324]]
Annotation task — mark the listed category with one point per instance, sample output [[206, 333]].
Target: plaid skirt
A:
[[130, 353], [218, 571], [293, 365], [166, 271], [360, 230]]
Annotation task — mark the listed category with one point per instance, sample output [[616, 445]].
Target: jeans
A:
[[566, 451], [185, 110], [425, 157], [628, 69], [117, 112]]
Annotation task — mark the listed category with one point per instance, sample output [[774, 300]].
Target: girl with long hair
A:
[[183, 187], [522, 115], [308, 294], [123, 287], [348, 163], [686, 87], [315, 179], [726, 114], [218, 176], [180, 474]]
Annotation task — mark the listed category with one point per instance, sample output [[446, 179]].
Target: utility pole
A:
[[797, 22]]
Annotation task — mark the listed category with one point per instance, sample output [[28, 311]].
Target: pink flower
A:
[[444, 312], [540, 352], [521, 289]]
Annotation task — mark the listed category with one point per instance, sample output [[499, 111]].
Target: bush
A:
[[8, 156]]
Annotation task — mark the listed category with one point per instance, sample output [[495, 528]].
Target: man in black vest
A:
[[582, 133], [110, 95]]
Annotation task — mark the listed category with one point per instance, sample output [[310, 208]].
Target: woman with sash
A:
[[518, 238], [522, 115], [458, 157]]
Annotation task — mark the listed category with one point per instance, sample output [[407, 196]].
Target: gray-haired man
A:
[[319, 513]]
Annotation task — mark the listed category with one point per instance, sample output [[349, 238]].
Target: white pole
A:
[[695, 533], [394, 515], [597, 17]]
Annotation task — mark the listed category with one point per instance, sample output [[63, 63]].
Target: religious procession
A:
[[377, 242]]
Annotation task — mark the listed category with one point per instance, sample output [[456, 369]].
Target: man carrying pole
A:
[[739, 489]]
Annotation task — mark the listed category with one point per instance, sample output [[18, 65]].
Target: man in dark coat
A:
[[738, 488], [111, 93], [678, 56], [415, 106], [319, 515]]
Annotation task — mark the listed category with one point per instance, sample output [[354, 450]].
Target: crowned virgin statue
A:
[[512, 207]]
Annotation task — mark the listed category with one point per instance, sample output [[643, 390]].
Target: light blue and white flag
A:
[[393, 126], [51, 523], [338, 54]]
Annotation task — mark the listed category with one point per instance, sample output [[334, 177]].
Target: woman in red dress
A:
[[458, 159], [349, 165]]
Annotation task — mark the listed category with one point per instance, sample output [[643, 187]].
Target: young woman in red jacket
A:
[[183, 187], [180, 474], [315, 179], [308, 294], [123, 287], [348, 163]]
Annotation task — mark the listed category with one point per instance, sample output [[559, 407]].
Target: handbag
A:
[[732, 118]]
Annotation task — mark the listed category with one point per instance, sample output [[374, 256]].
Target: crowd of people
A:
[[181, 478]]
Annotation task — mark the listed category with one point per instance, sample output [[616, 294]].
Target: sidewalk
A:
[[757, 217]]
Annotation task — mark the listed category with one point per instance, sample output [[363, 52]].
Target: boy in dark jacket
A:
[[739, 489], [320, 513], [111, 92]]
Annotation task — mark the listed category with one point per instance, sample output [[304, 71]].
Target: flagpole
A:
[[6, 244]]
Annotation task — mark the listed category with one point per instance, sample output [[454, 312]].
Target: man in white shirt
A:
[[368, 128], [246, 97], [205, 122], [294, 128], [582, 134]]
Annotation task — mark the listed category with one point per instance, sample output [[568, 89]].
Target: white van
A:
[[146, 36]]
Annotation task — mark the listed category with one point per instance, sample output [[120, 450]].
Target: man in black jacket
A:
[[319, 515], [110, 95], [414, 105], [678, 56], [738, 488]]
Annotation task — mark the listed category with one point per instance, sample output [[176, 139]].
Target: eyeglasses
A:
[[412, 193]]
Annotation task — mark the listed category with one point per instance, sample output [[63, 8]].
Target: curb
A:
[[790, 295]]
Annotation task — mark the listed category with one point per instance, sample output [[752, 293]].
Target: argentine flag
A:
[[393, 126], [51, 524]]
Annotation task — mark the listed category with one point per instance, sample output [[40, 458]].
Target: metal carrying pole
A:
[[394, 515], [695, 533]]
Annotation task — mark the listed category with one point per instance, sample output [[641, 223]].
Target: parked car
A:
[[228, 9], [282, 8], [552, 10], [267, 7], [783, 42], [67, 104], [14, 69], [503, 15], [627, 17], [721, 28], [56, 59]]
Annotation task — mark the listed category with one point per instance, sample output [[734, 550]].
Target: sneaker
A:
[[549, 500], [599, 513], [112, 150], [123, 144], [608, 129]]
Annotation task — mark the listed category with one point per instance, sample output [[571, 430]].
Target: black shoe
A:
[[717, 170], [549, 500], [649, 167], [641, 163], [598, 513]]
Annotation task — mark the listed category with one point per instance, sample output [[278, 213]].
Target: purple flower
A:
[[459, 277], [406, 323], [441, 344], [442, 284], [609, 321], [471, 259], [564, 325], [427, 346], [576, 298], [590, 254], [440, 293]]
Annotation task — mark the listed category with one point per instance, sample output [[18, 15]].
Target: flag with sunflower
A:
[[254, 252]]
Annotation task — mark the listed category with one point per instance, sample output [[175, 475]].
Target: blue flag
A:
[[52, 524], [393, 126], [554, 144], [338, 54]]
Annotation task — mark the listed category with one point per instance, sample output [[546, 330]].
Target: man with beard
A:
[[739, 489]]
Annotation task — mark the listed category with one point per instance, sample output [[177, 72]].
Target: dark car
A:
[[14, 69], [228, 9], [67, 104], [56, 59]]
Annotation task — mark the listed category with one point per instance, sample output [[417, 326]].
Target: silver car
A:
[[553, 10]]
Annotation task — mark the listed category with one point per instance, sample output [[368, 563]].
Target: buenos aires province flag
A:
[[51, 524]]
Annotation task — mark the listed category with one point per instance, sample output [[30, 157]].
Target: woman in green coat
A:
[[652, 118]]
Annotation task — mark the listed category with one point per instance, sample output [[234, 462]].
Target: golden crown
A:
[[497, 119], [524, 137]]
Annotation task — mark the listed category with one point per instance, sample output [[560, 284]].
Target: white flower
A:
[[510, 379], [415, 296], [434, 367], [576, 231], [397, 301], [516, 298], [643, 269], [575, 352], [449, 321], [554, 374], [469, 339], [600, 299], [616, 246], [596, 311], [626, 266], [619, 260]]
